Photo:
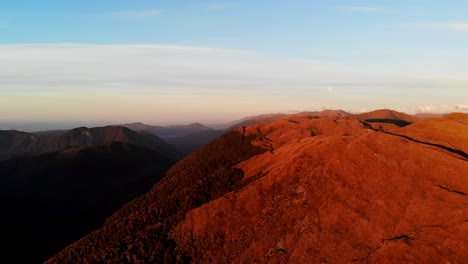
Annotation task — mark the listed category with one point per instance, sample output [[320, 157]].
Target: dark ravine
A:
[[451, 190], [51, 200], [449, 149]]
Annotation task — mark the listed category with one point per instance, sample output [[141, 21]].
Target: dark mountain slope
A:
[[184, 138], [51, 200], [15, 144], [138, 233], [188, 144]]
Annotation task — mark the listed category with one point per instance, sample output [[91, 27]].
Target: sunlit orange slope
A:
[[303, 189]]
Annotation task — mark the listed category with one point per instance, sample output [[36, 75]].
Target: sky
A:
[[166, 62]]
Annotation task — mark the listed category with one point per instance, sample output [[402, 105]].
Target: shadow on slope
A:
[[398, 122], [139, 231], [52, 200]]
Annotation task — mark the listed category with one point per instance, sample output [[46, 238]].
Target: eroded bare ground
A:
[[306, 188]]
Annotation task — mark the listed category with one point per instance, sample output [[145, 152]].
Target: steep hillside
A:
[[16, 143], [302, 189], [139, 231], [51, 200], [188, 144]]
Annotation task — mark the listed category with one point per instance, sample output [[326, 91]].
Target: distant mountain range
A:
[[16, 143], [57, 186], [169, 131]]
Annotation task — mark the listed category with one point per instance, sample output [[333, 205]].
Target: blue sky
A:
[[354, 55], [301, 29]]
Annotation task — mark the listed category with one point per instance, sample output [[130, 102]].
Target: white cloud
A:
[[156, 78], [440, 108], [426, 108], [456, 26], [363, 9], [205, 67], [462, 107]]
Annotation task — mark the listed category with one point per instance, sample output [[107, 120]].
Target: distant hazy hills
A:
[[174, 141], [184, 138], [169, 131], [16, 143], [57, 186]]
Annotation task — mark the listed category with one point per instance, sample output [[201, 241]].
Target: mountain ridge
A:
[[168, 131], [15, 143], [243, 197]]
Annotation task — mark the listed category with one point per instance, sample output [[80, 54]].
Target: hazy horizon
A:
[[172, 62], [49, 125]]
